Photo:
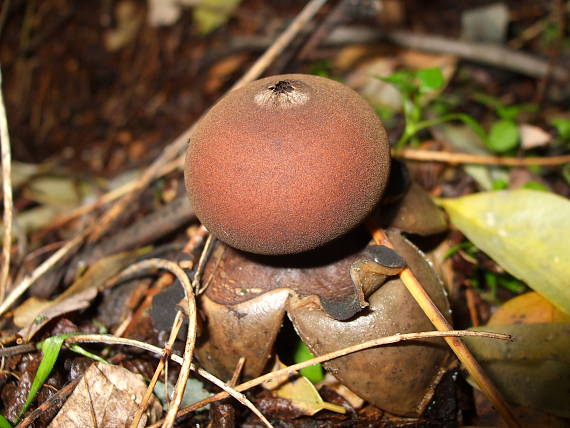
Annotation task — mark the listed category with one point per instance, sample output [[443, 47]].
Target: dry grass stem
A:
[[440, 322], [7, 189], [459, 158], [202, 264]]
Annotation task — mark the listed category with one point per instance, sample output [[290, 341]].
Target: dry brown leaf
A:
[[107, 396]]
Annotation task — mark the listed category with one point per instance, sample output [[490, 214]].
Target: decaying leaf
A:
[[211, 14], [301, 392], [33, 314], [106, 396], [527, 232], [534, 369], [529, 308]]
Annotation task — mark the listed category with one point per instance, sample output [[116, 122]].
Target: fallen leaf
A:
[[534, 369], [529, 308], [34, 314], [487, 24], [166, 12], [533, 136], [527, 232], [106, 396], [129, 20], [211, 14], [300, 392], [57, 190]]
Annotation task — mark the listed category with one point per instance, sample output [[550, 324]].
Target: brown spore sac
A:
[[286, 164]]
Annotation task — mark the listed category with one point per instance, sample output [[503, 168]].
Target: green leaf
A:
[[4, 423], [314, 373], [527, 232], [562, 126], [82, 351], [504, 136], [513, 112], [532, 370], [535, 185], [50, 351], [402, 80], [431, 79]]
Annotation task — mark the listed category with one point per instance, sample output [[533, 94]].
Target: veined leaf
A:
[[527, 232]]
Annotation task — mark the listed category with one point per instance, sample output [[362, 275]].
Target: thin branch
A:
[[7, 188], [178, 320], [235, 392], [456, 158], [332, 355], [463, 353]]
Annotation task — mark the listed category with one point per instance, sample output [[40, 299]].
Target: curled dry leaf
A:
[[106, 396]]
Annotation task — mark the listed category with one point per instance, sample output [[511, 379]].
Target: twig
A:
[[192, 327], [440, 322], [28, 280], [175, 148], [234, 392], [163, 359], [497, 56], [7, 188], [280, 43], [454, 158], [202, 264], [332, 355], [56, 399]]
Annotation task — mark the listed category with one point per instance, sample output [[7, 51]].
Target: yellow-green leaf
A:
[[527, 232]]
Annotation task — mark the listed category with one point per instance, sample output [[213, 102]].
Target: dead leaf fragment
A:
[[529, 308], [107, 396], [301, 393], [129, 20], [533, 136]]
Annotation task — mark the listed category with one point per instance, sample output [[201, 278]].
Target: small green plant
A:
[[413, 87], [562, 126], [314, 373], [504, 133]]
